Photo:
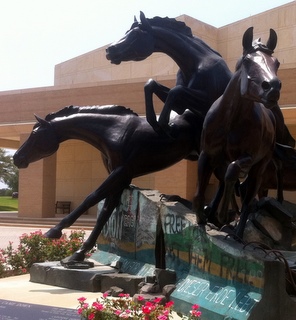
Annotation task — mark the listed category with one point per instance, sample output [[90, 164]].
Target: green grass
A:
[[8, 204]]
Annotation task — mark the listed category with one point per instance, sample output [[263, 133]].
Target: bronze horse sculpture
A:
[[239, 131], [201, 79], [129, 147]]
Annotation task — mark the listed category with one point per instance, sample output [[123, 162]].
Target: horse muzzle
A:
[[20, 162], [112, 55], [271, 92]]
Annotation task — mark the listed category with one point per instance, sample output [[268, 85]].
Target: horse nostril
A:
[[265, 85]]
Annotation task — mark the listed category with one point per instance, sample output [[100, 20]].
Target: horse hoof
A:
[[53, 234], [77, 256]]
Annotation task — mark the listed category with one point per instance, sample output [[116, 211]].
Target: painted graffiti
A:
[[230, 298], [174, 223]]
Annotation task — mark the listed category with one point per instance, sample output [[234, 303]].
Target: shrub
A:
[[34, 247]]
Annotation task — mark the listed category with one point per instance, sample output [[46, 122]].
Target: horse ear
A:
[[248, 39], [145, 23], [135, 19], [272, 41], [43, 122]]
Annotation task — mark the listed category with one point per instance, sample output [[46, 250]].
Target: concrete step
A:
[[11, 218]]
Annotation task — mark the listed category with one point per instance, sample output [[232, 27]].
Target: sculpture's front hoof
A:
[[77, 256], [77, 264], [53, 234]]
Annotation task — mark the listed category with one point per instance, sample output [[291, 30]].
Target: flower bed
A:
[[124, 307]]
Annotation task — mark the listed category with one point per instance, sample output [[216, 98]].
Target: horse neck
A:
[[91, 128], [178, 47], [233, 103]]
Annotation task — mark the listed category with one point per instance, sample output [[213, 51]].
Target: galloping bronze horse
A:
[[203, 74], [129, 147], [238, 134]]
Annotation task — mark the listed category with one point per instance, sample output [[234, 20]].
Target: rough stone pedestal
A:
[[97, 279]]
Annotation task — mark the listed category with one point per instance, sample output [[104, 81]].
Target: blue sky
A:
[[37, 34]]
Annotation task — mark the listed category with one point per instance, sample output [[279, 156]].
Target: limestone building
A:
[[77, 169]]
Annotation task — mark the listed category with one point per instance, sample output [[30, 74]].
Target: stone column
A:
[[37, 188]]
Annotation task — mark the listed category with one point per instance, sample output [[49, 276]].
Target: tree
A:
[[8, 171]]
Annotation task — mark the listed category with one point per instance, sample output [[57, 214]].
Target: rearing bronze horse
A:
[[239, 131], [203, 74], [201, 79]]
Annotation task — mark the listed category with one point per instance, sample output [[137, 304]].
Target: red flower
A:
[[169, 304], [148, 307], [157, 300], [195, 307]]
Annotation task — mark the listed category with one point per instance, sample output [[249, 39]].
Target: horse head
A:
[[136, 45], [259, 81], [41, 143]]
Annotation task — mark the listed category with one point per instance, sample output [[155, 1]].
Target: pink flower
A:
[[105, 294], [91, 316], [140, 298], [117, 312], [162, 317], [98, 306], [195, 313], [81, 299]]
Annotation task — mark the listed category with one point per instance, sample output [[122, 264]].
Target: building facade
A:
[[77, 169]]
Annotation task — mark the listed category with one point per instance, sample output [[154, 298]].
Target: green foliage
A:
[[8, 204], [34, 247], [8, 171]]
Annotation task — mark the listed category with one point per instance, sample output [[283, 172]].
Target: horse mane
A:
[[171, 24], [176, 26], [108, 109], [167, 23]]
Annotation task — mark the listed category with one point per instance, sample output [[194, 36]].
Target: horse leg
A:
[[280, 183], [204, 174], [117, 180], [161, 92], [231, 177], [253, 183], [212, 209], [109, 205]]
